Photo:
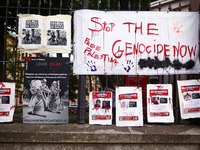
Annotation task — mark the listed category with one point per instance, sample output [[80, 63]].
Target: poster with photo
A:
[[129, 106], [189, 98], [159, 103], [30, 33], [7, 101], [58, 33], [46, 90], [44, 33], [100, 108]]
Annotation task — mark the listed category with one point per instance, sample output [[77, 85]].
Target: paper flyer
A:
[[7, 101], [189, 98], [38, 34], [31, 33], [129, 106], [46, 90], [159, 103], [58, 33], [100, 108]]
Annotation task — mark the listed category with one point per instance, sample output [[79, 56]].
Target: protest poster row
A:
[[125, 43], [45, 99], [129, 109]]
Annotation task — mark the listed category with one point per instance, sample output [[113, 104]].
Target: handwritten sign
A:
[[128, 43]]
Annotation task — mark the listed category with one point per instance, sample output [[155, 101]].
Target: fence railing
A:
[[12, 61]]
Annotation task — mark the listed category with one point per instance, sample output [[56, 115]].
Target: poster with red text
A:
[[100, 108], [159, 103], [131, 43], [129, 106], [7, 101], [189, 98]]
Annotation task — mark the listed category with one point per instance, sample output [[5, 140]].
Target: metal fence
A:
[[12, 61]]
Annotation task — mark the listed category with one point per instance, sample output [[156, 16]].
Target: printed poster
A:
[[7, 101], [132, 43], [189, 98], [159, 103], [100, 108], [129, 106], [39, 34], [46, 90]]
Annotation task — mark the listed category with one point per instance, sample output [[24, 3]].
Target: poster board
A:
[[131, 43], [38, 34], [46, 90], [159, 103], [7, 101], [100, 108], [129, 106], [189, 98]]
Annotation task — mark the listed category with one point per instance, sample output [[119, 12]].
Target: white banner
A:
[[189, 98], [130, 43], [159, 103], [129, 106], [39, 34]]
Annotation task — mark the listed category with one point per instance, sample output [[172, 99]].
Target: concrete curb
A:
[[97, 134]]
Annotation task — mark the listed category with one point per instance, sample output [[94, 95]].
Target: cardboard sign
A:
[[159, 103], [100, 108], [189, 98], [7, 101], [129, 106], [39, 34], [46, 90], [131, 43]]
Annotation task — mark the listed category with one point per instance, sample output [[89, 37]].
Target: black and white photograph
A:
[[105, 104], [31, 36], [195, 95], [46, 90], [56, 37], [5, 100], [163, 100], [132, 104]]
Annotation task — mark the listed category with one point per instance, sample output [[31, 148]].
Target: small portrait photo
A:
[[97, 103], [187, 97], [132, 104], [5, 100], [123, 104], [36, 36], [105, 104], [155, 100], [26, 36], [195, 95], [163, 100], [56, 37]]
